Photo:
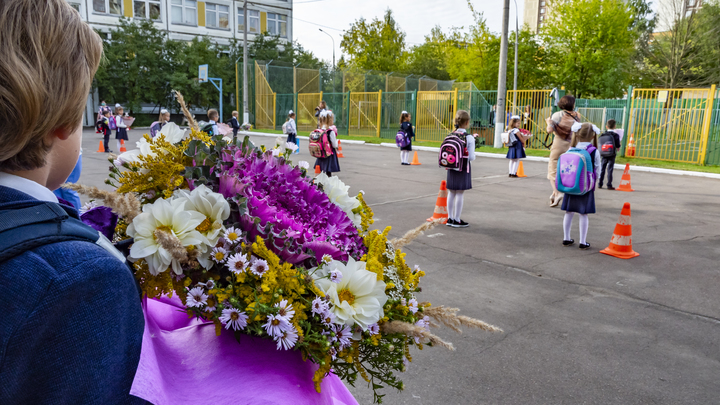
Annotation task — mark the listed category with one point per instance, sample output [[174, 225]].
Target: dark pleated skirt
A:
[[121, 133], [329, 164], [459, 180], [408, 147], [582, 204], [516, 151]]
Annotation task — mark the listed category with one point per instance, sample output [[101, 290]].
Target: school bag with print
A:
[[607, 145], [319, 144], [575, 171], [112, 123], [453, 152], [401, 139]]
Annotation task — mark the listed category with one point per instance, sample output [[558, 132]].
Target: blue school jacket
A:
[[71, 326]]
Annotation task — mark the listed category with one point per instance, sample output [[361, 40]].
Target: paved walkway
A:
[[580, 327]]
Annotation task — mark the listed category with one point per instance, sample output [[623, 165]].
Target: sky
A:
[[415, 18]]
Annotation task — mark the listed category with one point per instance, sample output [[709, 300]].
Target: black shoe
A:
[[461, 224], [611, 188], [584, 246], [450, 222], [513, 175], [600, 186], [568, 242]]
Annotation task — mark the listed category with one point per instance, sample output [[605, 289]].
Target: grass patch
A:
[[535, 152]]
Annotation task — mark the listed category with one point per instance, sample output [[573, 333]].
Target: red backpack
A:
[[320, 143]]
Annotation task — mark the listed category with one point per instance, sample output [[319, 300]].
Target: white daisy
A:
[[328, 318], [374, 329], [211, 304], [319, 306], [416, 269], [237, 263], [287, 339], [233, 318], [413, 305], [303, 165], [210, 284], [232, 235], [196, 297], [327, 258], [403, 301], [285, 310], [259, 267], [219, 255], [335, 276], [88, 206], [291, 146], [276, 325]]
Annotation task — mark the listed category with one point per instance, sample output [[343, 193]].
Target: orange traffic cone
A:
[[340, 154], [317, 169], [441, 211], [630, 146], [415, 161], [101, 148], [621, 242], [625, 180], [122, 146], [521, 171]]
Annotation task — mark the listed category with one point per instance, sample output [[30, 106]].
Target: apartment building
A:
[[220, 20], [534, 14]]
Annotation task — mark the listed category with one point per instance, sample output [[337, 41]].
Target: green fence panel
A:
[[337, 103], [283, 104], [393, 104], [713, 146]]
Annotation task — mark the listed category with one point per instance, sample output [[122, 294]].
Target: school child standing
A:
[[609, 145], [235, 124], [290, 129], [103, 125], [121, 128], [516, 149], [406, 126], [157, 125], [584, 136], [329, 164], [461, 179]]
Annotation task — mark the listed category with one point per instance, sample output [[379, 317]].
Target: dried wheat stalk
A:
[[125, 205], [414, 233], [191, 121]]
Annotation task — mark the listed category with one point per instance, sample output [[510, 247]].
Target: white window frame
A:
[[184, 6], [253, 19], [214, 8], [275, 21], [107, 8], [147, 9]]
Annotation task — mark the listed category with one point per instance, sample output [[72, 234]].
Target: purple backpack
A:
[[453, 152], [575, 171], [401, 139], [112, 123]]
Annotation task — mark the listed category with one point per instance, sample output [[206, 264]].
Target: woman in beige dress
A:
[[560, 124]]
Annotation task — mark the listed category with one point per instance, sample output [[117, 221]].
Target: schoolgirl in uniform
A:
[[584, 136], [121, 131], [292, 130], [406, 126], [162, 120], [460, 180], [330, 163], [516, 150]]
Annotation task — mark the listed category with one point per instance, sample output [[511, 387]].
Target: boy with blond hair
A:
[[72, 322]]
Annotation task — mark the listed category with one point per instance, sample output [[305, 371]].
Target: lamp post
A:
[[333, 42], [500, 117], [515, 73], [246, 111]]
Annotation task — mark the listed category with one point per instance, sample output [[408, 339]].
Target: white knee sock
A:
[[584, 223], [451, 204], [567, 223], [516, 165], [407, 156], [459, 199], [510, 166], [402, 156], [118, 146]]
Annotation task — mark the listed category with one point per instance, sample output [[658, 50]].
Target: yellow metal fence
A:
[[306, 103], [264, 100], [365, 113], [435, 114]]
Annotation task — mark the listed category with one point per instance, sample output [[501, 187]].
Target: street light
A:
[[333, 42], [517, 34]]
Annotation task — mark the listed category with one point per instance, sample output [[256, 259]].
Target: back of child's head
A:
[[235, 114], [212, 114], [323, 104], [107, 113], [404, 116], [48, 57], [462, 118], [611, 124], [586, 133], [513, 123], [291, 114], [327, 118]]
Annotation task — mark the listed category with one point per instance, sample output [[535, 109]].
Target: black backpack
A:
[[607, 145], [208, 129], [29, 225]]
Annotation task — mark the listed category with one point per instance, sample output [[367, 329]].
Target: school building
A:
[[220, 20]]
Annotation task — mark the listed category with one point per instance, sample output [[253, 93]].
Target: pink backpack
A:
[[320, 143]]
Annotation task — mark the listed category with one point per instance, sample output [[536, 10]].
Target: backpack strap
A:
[[24, 228]]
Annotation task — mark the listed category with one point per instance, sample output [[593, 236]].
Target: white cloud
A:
[[415, 18]]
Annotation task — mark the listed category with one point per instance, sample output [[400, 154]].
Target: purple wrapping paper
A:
[[102, 219], [184, 362]]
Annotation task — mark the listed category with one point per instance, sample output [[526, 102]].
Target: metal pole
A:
[[502, 77], [246, 111], [333, 41], [515, 73]]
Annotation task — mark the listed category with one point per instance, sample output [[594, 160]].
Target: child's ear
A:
[[61, 133]]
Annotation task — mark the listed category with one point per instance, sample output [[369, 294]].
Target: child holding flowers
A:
[[330, 163]]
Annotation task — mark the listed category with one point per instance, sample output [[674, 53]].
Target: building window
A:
[[184, 12], [217, 16], [542, 3], [149, 9], [542, 17], [108, 6], [277, 24], [253, 21], [542, 10], [76, 6]]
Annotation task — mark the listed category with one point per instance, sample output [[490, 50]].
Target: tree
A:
[[430, 58], [378, 45], [135, 66], [708, 41], [590, 44]]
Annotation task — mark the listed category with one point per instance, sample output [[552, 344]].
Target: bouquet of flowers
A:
[[248, 241]]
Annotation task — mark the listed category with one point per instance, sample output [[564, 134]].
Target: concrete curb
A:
[[345, 141]]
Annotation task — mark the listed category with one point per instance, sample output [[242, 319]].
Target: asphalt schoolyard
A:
[[580, 327]]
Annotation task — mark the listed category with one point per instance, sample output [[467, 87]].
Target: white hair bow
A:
[[576, 127], [164, 111], [515, 117], [117, 105], [403, 112], [290, 112], [326, 113]]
